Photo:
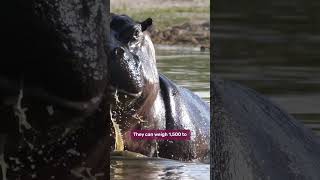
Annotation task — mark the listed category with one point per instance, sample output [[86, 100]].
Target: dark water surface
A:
[[273, 48]]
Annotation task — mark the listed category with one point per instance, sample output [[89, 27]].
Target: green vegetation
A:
[[167, 16]]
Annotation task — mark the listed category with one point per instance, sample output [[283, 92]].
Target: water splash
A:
[[119, 145], [20, 113], [157, 149], [3, 164], [119, 112], [154, 152], [50, 110], [116, 96]]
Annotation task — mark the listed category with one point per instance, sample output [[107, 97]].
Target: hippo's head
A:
[[132, 68], [132, 64]]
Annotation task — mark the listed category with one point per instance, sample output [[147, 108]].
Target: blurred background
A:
[[273, 47], [183, 22]]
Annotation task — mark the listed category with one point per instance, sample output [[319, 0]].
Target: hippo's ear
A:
[[145, 24]]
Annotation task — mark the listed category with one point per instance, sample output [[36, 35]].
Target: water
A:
[[274, 50], [150, 168], [188, 68]]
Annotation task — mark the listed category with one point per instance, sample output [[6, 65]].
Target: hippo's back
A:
[[255, 139]]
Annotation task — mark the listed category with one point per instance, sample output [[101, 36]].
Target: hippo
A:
[[252, 138], [143, 98]]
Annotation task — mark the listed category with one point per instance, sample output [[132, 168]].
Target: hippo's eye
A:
[[136, 32], [130, 34]]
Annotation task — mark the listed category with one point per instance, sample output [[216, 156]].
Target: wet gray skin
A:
[[252, 138], [146, 99]]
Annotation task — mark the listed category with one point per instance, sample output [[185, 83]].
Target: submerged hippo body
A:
[[147, 99], [254, 139]]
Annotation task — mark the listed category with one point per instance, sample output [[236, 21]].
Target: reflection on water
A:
[[188, 68], [274, 50], [152, 168]]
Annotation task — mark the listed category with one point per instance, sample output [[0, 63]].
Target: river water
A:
[[188, 68]]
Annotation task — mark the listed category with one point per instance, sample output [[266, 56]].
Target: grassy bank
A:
[[167, 16], [175, 21]]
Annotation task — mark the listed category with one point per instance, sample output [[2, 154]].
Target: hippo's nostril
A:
[[119, 51]]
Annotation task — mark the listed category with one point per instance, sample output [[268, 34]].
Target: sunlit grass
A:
[[166, 17]]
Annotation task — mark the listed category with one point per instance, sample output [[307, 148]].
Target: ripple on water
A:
[[152, 168]]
